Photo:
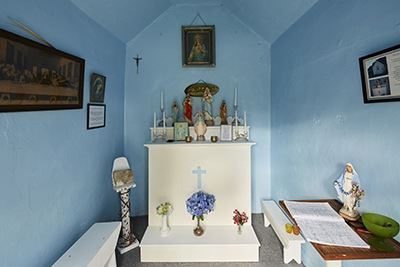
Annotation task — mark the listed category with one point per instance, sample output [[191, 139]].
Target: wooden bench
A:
[[95, 248], [274, 216]]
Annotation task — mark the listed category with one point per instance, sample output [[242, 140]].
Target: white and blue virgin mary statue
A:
[[207, 107], [344, 184]]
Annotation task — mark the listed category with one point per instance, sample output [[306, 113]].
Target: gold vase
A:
[[199, 229]]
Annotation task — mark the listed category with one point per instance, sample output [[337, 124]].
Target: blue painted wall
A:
[[242, 59], [55, 175], [319, 120]]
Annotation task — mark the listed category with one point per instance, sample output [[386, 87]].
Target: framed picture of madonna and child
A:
[[37, 77], [198, 46]]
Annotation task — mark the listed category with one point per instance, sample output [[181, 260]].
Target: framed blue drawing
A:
[[181, 130]]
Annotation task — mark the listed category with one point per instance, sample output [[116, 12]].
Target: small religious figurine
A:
[[207, 107], [200, 127], [187, 109], [223, 113], [175, 112], [349, 192]]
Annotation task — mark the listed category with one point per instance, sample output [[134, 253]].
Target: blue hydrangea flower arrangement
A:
[[200, 203]]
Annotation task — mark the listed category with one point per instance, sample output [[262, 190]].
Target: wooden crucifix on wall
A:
[[137, 59]]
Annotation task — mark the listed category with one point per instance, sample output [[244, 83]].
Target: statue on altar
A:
[[207, 107], [223, 113], [200, 127], [175, 112], [187, 109], [349, 192]]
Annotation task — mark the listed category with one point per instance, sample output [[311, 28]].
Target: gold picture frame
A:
[[198, 46]]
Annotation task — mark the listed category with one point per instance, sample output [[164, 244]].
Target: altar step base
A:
[[218, 244]]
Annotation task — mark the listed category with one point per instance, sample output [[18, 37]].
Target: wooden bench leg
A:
[[266, 221], [292, 252]]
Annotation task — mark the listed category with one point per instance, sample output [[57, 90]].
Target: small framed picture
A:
[[181, 130], [380, 75], [97, 88], [226, 133], [198, 46], [96, 116]]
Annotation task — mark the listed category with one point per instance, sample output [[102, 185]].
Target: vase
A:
[[165, 225], [239, 230], [199, 228]]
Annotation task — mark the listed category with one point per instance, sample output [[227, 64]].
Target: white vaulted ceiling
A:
[[127, 18]]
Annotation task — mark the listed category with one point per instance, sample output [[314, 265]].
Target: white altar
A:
[[225, 169]]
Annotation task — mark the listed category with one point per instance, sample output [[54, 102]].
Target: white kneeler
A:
[[95, 248], [274, 216]]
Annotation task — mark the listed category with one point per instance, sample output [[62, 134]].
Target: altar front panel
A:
[[228, 177]]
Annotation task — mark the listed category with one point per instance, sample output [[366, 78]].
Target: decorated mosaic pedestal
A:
[[127, 240]]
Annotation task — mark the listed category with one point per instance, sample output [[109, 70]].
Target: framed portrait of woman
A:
[[198, 46]]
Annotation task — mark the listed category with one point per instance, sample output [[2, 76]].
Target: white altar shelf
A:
[[218, 244], [211, 130], [165, 144]]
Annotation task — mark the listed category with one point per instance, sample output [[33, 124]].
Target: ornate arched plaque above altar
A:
[[197, 89]]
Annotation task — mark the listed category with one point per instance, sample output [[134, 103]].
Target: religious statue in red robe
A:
[[187, 109]]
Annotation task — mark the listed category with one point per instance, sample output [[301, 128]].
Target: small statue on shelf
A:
[[223, 113], [187, 109], [200, 127], [175, 112], [349, 192], [207, 107]]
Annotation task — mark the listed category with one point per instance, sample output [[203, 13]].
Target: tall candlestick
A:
[[245, 121], [235, 99], [154, 120], [162, 101], [163, 118], [236, 119]]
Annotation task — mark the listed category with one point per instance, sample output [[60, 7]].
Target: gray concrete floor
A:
[[270, 250]]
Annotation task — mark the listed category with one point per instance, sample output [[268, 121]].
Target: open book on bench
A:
[[320, 223]]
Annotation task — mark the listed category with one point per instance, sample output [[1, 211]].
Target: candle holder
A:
[[241, 136], [159, 134]]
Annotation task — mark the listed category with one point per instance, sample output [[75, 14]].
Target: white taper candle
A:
[[154, 120], [235, 98], [236, 119], [162, 100], [245, 120]]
